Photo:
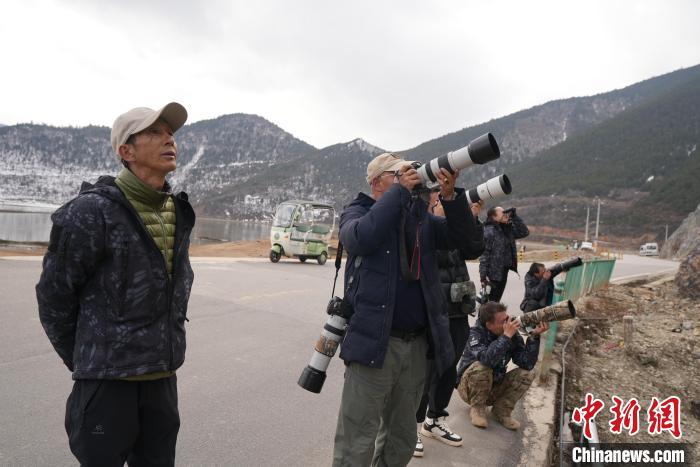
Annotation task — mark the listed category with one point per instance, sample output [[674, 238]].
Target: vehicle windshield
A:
[[323, 216], [283, 216]]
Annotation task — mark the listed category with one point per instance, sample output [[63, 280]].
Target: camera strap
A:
[[410, 270], [338, 261]]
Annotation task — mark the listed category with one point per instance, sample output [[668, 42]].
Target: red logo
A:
[[665, 416], [587, 413], [624, 417]]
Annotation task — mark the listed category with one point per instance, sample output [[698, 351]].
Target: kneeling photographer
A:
[[398, 308], [493, 341], [539, 288]]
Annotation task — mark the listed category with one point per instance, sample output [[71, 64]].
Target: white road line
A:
[[644, 274]]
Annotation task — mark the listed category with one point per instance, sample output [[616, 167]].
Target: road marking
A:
[[644, 274]]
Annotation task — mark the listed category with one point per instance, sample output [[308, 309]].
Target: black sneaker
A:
[[438, 429]]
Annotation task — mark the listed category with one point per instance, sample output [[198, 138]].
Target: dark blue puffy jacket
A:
[[371, 230]]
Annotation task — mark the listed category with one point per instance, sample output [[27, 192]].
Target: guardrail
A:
[[592, 275], [582, 280]]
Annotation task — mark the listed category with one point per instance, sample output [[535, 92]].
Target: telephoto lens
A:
[[565, 266], [558, 312], [314, 375], [490, 189], [479, 151]]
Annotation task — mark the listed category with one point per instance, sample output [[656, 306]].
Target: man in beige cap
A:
[[113, 297], [393, 285]]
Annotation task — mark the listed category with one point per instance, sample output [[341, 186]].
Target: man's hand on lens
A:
[[408, 177], [476, 208], [541, 328], [447, 184], [510, 327]]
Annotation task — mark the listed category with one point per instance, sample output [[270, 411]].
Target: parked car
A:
[[649, 249], [586, 246]]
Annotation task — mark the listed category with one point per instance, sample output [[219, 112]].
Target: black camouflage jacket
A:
[[105, 299], [496, 351], [538, 292], [498, 239]]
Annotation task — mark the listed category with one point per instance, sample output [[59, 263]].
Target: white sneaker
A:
[[437, 429], [418, 452]]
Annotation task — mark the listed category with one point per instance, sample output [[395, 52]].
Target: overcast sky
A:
[[394, 73]]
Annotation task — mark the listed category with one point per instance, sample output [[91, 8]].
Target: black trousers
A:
[[110, 422], [498, 287], [438, 389]]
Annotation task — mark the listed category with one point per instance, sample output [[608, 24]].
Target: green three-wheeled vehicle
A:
[[302, 229]]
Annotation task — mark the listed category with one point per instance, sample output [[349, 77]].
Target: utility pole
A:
[[597, 222], [666, 239], [588, 213]]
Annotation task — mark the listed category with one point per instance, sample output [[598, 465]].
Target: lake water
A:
[[19, 224]]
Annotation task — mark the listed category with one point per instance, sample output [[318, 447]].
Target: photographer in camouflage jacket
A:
[[483, 380]]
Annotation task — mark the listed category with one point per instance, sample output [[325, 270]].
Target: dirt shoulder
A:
[[662, 358]]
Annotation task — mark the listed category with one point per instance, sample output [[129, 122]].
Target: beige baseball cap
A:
[[387, 162], [140, 118]]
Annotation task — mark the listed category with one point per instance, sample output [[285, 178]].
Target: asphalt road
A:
[[251, 331]]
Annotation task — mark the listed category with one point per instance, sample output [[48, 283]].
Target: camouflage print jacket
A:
[[496, 351], [500, 254], [105, 299]]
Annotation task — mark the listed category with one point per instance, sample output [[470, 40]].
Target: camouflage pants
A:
[[476, 387]]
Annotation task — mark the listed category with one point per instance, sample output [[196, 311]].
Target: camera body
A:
[[464, 293], [339, 307], [483, 295]]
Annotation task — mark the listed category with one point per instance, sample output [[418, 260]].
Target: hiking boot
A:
[[436, 428], [478, 416], [506, 420], [418, 451]]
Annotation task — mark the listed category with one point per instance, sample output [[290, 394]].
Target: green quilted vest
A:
[[157, 211]]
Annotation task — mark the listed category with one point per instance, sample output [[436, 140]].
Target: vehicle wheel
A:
[[302, 259], [274, 256], [322, 258]]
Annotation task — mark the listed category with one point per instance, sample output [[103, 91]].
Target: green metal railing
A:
[[579, 281], [582, 280]]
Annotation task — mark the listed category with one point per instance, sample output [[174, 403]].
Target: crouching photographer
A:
[[539, 284], [398, 308], [493, 341], [539, 288]]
